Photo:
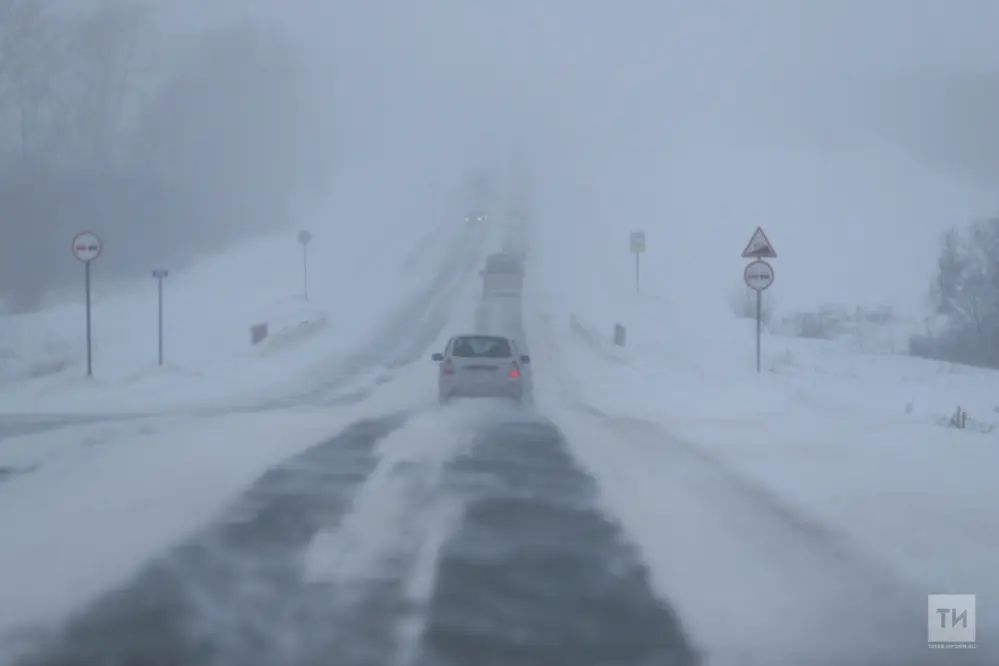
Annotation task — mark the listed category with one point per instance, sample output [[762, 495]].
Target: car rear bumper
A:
[[513, 392]]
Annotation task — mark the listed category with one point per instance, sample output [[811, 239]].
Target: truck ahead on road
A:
[[503, 275]]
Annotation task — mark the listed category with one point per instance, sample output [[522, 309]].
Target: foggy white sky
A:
[[696, 120]]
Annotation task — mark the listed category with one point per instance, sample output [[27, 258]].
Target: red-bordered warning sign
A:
[[759, 246]]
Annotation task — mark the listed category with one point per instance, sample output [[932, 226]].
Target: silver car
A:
[[481, 366]]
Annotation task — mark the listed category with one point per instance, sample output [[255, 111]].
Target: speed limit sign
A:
[[86, 246]]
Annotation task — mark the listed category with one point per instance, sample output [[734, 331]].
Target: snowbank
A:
[[853, 444], [830, 477], [209, 310], [671, 370], [703, 367], [96, 508], [827, 482], [89, 504]]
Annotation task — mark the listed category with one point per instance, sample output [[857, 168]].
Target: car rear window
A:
[[481, 347]]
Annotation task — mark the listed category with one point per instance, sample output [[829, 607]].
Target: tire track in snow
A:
[[329, 559], [396, 525], [536, 574], [234, 595], [404, 338]]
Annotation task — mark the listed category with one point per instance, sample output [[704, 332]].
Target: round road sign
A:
[[304, 237], [759, 275], [86, 246]]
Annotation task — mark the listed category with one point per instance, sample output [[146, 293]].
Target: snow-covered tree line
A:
[[965, 293], [167, 145]]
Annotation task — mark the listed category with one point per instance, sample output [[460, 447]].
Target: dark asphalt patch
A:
[[234, 595], [536, 574]]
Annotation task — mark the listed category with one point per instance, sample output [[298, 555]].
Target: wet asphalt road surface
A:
[[532, 574]]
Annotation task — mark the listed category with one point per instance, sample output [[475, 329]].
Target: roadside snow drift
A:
[[856, 446], [84, 506], [831, 464], [102, 502], [210, 308]]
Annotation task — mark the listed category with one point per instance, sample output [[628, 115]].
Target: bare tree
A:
[[967, 282], [65, 77], [211, 145], [233, 127], [26, 64], [966, 291], [106, 62]]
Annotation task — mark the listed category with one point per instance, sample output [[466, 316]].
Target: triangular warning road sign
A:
[[759, 247]]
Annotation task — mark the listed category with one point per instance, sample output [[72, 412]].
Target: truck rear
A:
[[503, 275]]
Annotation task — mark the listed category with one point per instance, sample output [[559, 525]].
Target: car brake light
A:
[[514, 372], [446, 368]]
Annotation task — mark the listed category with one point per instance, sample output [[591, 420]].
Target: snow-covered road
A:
[[418, 535], [635, 513]]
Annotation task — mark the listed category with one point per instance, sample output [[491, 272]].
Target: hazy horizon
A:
[[778, 113], [831, 126]]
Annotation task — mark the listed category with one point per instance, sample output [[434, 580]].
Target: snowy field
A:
[[155, 453], [210, 308], [99, 501], [171, 476], [834, 463], [854, 448], [827, 482]]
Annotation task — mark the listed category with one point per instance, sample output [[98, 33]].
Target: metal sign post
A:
[[160, 274], [637, 248], [86, 248], [303, 238], [759, 275]]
